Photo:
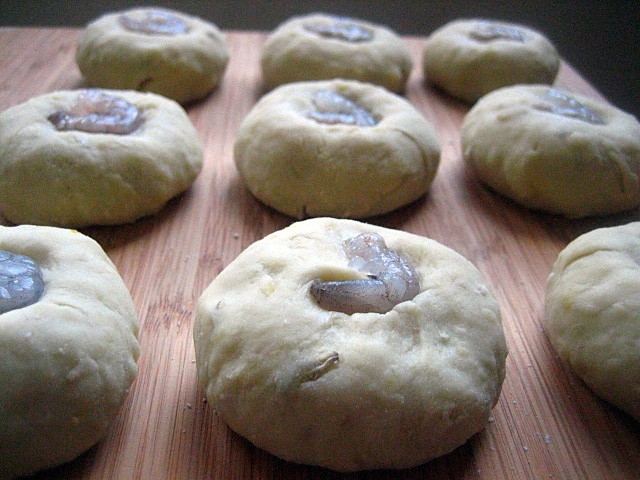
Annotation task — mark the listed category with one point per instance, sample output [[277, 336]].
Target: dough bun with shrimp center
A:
[[57, 167], [319, 46], [153, 50], [349, 391], [337, 148], [593, 312], [68, 357], [469, 58], [556, 151]]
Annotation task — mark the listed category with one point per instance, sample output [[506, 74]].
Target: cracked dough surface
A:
[[182, 67], [469, 68], [292, 53], [593, 312], [551, 162], [304, 168], [75, 179], [67, 361], [409, 385]]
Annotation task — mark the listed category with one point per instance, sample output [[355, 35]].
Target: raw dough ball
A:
[[470, 58], [67, 360], [555, 151], [593, 312], [322, 47], [349, 392], [153, 50], [74, 178], [336, 148]]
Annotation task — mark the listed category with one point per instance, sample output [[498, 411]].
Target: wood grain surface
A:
[[547, 424]]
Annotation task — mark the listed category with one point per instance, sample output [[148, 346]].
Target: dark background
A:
[[600, 39]]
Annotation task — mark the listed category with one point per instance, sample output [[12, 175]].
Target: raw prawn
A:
[[98, 112], [154, 22], [559, 103], [333, 108], [392, 279], [21, 282], [340, 29], [487, 32]]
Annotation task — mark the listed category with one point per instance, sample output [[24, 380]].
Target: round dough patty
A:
[[302, 167], [470, 58], [75, 178], [185, 66], [322, 47], [68, 360], [555, 151], [593, 312], [349, 392]]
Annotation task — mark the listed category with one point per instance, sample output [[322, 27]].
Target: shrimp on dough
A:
[[391, 279]]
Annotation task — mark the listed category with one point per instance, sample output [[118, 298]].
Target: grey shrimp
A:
[[21, 282], [154, 22], [340, 28], [331, 108], [98, 112], [559, 103], [392, 279]]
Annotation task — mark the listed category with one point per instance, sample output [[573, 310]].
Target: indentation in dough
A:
[[21, 282], [331, 108], [98, 112], [559, 103], [154, 22], [339, 28], [488, 32]]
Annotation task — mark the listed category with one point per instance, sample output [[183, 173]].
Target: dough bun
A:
[[593, 312], [548, 161], [68, 360], [294, 53], [183, 67], [302, 167], [470, 58], [75, 179], [401, 388]]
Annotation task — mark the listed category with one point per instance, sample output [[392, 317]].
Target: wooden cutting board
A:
[[547, 424]]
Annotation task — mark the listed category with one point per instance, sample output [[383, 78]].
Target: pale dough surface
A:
[[293, 53], [182, 67], [551, 162], [67, 361], [304, 168], [75, 179], [410, 385], [593, 312], [469, 68]]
